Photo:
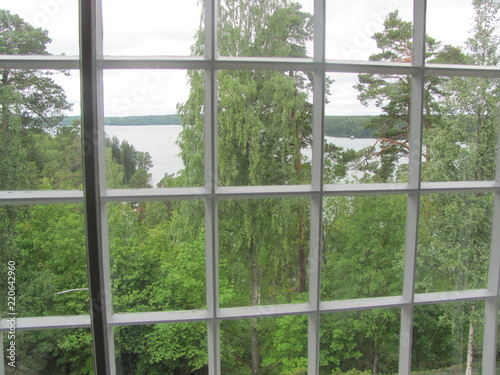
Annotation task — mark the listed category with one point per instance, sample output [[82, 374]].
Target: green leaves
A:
[[18, 37]]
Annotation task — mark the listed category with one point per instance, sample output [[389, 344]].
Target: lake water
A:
[[159, 141]]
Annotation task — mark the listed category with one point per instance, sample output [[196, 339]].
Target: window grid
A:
[[104, 320]]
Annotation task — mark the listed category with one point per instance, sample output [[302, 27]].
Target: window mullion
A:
[[211, 212], [94, 185], [492, 305], [317, 185], [414, 180]]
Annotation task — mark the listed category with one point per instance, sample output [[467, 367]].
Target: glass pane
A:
[[157, 256], [364, 342], [149, 141], [363, 246], [45, 247], [273, 346], [173, 348], [471, 36], [263, 250], [46, 352], [461, 129], [40, 149], [448, 337], [366, 125], [164, 28], [270, 28], [264, 128], [454, 242], [364, 30], [33, 27]]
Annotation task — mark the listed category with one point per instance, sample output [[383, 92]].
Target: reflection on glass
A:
[[263, 250], [264, 128], [448, 337], [470, 37], [54, 351], [365, 342], [47, 245], [454, 242], [157, 256], [171, 348], [159, 28], [271, 346], [363, 246], [370, 34]]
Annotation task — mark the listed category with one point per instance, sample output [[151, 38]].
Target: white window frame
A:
[[95, 196]]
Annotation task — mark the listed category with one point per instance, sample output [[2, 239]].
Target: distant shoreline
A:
[[335, 126]]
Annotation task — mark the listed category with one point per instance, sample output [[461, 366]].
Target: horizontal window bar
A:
[[362, 304], [463, 295], [462, 70], [48, 322], [39, 62], [247, 63], [269, 310], [242, 192], [159, 317], [41, 197], [77, 321], [459, 187], [136, 195]]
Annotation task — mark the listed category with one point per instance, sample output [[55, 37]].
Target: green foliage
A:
[[391, 92], [285, 351], [65, 351], [135, 164], [174, 348], [351, 372], [18, 37], [51, 259], [362, 340], [363, 246]]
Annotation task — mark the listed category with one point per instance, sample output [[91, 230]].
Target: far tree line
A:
[[335, 126]]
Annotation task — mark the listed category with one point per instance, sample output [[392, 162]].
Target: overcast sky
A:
[[167, 27]]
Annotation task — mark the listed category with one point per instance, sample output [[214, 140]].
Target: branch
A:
[[71, 290], [391, 142]]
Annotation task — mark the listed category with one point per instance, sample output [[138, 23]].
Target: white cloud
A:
[[167, 27]]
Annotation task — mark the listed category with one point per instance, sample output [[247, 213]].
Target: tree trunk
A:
[[375, 358], [470, 349], [254, 332], [298, 169], [4, 104], [302, 254]]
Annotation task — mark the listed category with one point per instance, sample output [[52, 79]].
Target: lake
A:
[[159, 141]]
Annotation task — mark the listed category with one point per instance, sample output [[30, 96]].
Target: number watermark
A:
[[11, 313]]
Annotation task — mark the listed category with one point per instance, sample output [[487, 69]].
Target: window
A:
[[422, 215]]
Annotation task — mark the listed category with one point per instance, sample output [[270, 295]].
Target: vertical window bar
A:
[[2, 360], [91, 93], [317, 184], [492, 305], [211, 229], [415, 161]]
